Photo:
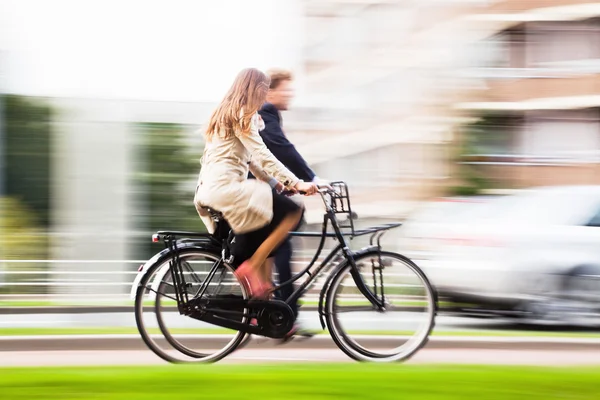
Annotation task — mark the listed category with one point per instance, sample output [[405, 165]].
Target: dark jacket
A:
[[280, 146]]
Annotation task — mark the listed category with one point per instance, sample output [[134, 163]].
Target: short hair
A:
[[277, 76]]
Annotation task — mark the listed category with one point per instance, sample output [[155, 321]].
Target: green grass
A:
[[300, 381], [49, 303], [28, 303], [204, 331]]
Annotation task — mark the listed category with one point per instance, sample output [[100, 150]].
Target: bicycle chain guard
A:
[[275, 318]]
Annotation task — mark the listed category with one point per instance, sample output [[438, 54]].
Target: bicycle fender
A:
[[330, 278], [158, 258], [324, 290]]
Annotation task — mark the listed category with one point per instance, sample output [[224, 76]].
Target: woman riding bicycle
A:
[[259, 217]]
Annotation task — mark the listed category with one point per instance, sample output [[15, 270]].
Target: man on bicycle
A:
[[278, 99]]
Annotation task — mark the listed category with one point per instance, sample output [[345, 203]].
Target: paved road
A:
[[462, 356], [309, 319], [128, 350], [63, 343]]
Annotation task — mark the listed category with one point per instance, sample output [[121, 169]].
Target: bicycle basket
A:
[[339, 200]]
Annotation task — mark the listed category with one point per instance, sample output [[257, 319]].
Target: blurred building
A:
[[380, 84], [540, 65]]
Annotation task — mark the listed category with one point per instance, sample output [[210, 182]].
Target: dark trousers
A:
[[283, 264], [283, 258]]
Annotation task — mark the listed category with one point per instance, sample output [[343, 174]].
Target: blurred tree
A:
[[471, 180], [490, 138], [28, 141], [25, 201], [21, 238], [166, 176]]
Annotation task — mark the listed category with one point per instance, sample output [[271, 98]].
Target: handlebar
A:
[[322, 190], [336, 199]]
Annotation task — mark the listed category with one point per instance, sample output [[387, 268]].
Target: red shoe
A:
[[255, 287]]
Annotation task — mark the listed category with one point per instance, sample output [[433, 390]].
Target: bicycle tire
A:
[[146, 337], [340, 338]]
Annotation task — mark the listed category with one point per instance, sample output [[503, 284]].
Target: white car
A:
[[534, 254], [424, 227]]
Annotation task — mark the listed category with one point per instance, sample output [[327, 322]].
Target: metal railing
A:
[[54, 282]]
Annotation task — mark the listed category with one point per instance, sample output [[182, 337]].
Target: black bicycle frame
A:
[[329, 217]]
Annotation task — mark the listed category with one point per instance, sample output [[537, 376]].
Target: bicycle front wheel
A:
[[366, 333]]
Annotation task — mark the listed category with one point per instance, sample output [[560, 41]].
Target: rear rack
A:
[[184, 233], [183, 236]]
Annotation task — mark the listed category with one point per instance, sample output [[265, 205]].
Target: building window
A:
[[549, 44], [562, 139], [505, 49]]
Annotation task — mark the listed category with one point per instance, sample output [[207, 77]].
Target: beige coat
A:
[[223, 184]]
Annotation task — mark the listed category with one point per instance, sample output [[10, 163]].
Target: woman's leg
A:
[[257, 261], [257, 246], [257, 270], [267, 270]]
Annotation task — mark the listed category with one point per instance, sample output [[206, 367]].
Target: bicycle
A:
[[213, 295]]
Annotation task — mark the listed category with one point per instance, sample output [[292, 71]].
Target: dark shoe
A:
[[305, 333], [297, 332]]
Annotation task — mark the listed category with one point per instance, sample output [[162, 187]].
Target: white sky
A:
[[184, 50]]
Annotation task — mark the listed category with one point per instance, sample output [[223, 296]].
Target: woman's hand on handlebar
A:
[[279, 188], [306, 188]]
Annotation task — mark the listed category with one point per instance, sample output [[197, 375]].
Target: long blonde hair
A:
[[246, 95]]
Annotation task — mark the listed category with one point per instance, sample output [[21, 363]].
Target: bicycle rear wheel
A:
[[367, 334], [178, 338]]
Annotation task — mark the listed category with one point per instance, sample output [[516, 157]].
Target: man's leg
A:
[[283, 264], [284, 269]]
